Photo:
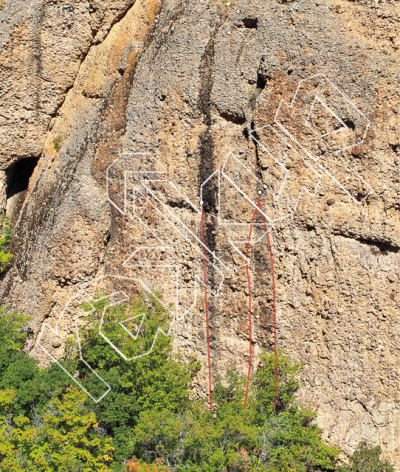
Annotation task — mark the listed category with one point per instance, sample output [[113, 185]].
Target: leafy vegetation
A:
[[44, 425], [230, 438], [148, 383], [5, 238], [34, 387], [150, 422], [57, 142], [366, 458], [61, 438]]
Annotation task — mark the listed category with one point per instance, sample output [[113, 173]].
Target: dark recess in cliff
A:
[[17, 181], [251, 23], [206, 151]]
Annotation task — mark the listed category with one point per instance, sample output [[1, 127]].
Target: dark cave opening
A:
[[17, 181], [18, 175]]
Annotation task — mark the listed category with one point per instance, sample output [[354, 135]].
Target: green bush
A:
[[366, 458], [61, 438], [57, 143], [33, 386], [160, 380], [229, 438], [43, 427], [5, 238], [149, 421]]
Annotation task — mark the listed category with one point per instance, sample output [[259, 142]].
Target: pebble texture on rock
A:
[[189, 82]]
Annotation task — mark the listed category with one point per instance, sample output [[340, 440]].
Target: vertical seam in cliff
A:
[[260, 86], [256, 150], [206, 149]]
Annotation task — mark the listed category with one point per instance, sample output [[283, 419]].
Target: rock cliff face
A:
[[184, 101]]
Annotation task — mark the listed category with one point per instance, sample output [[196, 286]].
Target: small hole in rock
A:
[[261, 81], [250, 22], [349, 123]]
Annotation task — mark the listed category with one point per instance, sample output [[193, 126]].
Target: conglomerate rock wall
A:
[[195, 101]]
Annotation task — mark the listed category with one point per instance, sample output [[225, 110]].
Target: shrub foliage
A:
[[150, 421]]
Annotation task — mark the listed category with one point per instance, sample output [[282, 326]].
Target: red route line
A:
[[258, 209], [249, 289], [206, 305]]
